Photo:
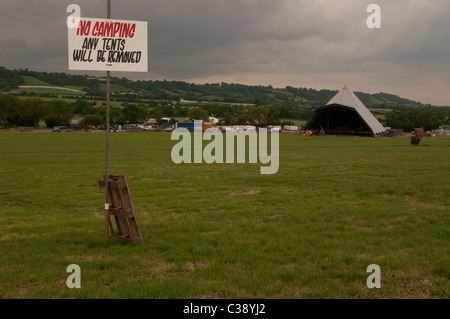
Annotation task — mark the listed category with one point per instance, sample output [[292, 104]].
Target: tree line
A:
[[212, 92], [9, 79], [29, 112], [426, 118], [14, 111], [227, 114]]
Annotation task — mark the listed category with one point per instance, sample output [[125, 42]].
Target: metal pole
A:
[[107, 141]]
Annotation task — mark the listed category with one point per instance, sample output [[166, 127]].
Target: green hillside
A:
[[31, 80], [178, 90]]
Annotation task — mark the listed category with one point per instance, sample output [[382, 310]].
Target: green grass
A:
[[380, 117], [70, 101], [335, 206], [52, 91], [116, 88], [298, 123], [31, 80]]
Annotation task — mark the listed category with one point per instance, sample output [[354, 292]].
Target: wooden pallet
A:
[[122, 208]]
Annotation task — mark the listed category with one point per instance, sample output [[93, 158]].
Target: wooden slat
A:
[[122, 208], [120, 212]]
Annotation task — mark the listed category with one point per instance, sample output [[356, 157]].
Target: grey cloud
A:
[[284, 42]]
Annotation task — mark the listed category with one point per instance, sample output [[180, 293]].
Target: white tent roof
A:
[[346, 97]]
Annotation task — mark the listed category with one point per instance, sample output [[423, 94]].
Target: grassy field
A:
[[336, 205], [31, 80], [116, 88], [68, 100], [51, 91]]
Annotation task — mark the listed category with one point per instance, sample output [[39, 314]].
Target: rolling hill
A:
[[180, 90]]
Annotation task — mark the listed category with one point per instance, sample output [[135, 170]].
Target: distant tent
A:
[[345, 114]]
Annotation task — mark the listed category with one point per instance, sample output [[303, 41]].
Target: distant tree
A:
[[405, 119], [116, 116], [36, 109], [135, 114], [300, 113], [273, 116], [82, 107], [59, 113], [258, 114], [229, 119], [216, 109], [9, 108], [197, 113], [284, 110], [153, 104], [9, 79], [167, 110], [181, 111], [94, 90], [430, 119], [93, 119], [408, 119], [157, 114]]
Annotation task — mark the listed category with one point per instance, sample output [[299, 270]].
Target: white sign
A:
[[108, 45]]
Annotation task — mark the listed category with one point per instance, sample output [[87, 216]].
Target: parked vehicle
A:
[[59, 129]]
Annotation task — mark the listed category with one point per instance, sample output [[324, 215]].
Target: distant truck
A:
[[59, 129]]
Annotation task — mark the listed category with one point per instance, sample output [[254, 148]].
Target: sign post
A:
[[108, 75], [108, 45]]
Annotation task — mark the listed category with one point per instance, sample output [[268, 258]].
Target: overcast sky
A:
[[321, 44]]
